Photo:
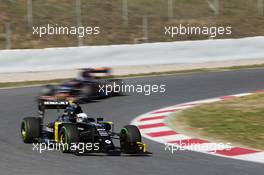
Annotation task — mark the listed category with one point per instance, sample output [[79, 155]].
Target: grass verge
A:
[[239, 121], [56, 81]]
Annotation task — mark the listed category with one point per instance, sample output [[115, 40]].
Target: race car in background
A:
[[72, 129], [88, 85]]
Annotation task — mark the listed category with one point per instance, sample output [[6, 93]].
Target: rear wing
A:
[[55, 104], [45, 104]]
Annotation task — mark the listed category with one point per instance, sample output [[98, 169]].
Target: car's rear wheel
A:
[[30, 129], [129, 137], [69, 137]]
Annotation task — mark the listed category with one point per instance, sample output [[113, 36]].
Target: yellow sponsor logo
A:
[[56, 131]]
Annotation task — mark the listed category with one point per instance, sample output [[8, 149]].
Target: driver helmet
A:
[[70, 111], [81, 117], [72, 102]]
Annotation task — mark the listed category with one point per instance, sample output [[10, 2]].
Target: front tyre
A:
[[69, 136], [30, 129], [129, 138], [47, 90]]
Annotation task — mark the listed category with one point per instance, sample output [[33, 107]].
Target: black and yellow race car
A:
[[77, 133], [91, 83]]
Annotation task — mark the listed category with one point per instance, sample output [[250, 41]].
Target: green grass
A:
[[241, 15], [239, 121]]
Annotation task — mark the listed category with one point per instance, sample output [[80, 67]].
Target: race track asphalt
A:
[[18, 158]]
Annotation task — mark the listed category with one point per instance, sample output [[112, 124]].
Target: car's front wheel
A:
[[69, 138], [47, 90], [129, 138]]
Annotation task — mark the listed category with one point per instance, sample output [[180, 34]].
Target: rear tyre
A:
[[129, 136], [30, 129], [69, 136]]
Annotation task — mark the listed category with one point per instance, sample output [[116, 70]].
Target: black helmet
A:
[[70, 110]]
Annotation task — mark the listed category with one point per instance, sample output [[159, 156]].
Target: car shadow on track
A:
[[117, 153]]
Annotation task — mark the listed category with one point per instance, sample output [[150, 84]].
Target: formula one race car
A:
[[77, 133], [88, 85]]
